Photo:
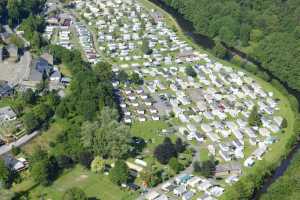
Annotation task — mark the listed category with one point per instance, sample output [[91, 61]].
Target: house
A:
[[167, 187], [216, 191], [55, 76], [152, 195], [188, 195], [230, 168], [42, 66], [65, 80], [249, 162], [5, 90], [225, 155], [7, 114], [193, 182], [12, 52], [180, 190], [157, 16], [162, 197], [204, 186], [260, 151], [48, 57], [16, 164]]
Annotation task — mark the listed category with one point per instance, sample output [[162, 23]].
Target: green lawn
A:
[[149, 131], [95, 185]]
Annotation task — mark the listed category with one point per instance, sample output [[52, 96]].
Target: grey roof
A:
[[6, 112], [231, 166], [56, 74], [35, 75], [12, 50], [5, 89]]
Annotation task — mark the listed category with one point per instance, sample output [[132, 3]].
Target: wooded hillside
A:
[[268, 30]]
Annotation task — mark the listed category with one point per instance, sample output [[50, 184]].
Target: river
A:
[[207, 43]]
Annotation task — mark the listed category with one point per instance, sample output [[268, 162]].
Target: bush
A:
[[119, 174], [275, 83], [85, 159], [74, 194], [165, 151], [175, 165], [263, 75], [294, 103], [15, 150], [251, 68], [190, 71], [205, 168], [237, 60]]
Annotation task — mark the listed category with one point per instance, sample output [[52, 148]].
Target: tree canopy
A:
[[119, 173], [74, 194], [270, 28]]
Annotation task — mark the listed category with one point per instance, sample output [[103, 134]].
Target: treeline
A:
[[246, 187], [26, 14], [91, 88], [287, 186], [270, 28], [92, 135], [14, 12]]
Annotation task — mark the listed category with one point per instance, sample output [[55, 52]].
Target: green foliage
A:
[[151, 177], [14, 11], [256, 35], [165, 151], [136, 79], [43, 168], [270, 28], [5, 174], [122, 76], [145, 47], [250, 68], [15, 150], [219, 50], [254, 118], [190, 71], [91, 89], [107, 137], [74, 194], [29, 96], [30, 122], [263, 75], [14, 39], [97, 164], [175, 165], [119, 173], [205, 168]]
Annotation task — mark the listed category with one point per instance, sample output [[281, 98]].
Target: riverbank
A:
[[287, 186], [276, 163]]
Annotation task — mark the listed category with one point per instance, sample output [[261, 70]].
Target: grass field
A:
[[96, 186], [43, 140], [149, 131]]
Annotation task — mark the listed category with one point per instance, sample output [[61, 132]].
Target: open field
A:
[[50, 135], [96, 186]]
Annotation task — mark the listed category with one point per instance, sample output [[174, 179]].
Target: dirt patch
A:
[[82, 177]]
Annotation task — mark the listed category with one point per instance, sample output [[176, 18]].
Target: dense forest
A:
[[25, 14], [287, 187], [267, 30]]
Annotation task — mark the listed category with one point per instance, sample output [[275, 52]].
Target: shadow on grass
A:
[[24, 194]]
